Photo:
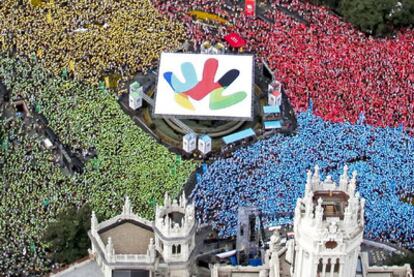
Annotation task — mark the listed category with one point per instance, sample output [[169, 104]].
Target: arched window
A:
[[179, 249], [320, 265], [329, 265], [174, 249], [336, 268]]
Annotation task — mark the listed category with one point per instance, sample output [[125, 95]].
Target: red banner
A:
[[250, 7], [235, 40]]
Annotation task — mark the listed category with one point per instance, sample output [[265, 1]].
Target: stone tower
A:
[[328, 227], [175, 228]]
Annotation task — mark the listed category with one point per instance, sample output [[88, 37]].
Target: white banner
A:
[[202, 85]]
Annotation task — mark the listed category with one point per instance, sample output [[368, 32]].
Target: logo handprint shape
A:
[[197, 90]]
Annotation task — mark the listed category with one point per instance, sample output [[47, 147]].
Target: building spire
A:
[[309, 205], [352, 185], [166, 199], [110, 248], [308, 186], [316, 178], [127, 209], [94, 221], [183, 201], [319, 212], [343, 180]]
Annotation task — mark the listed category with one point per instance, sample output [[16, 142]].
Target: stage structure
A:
[[135, 95], [189, 142], [204, 144], [275, 93], [198, 104], [205, 86]]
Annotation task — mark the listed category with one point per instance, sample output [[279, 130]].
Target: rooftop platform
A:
[[128, 237], [334, 203]]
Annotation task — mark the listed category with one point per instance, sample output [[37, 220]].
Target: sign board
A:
[[204, 85], [250, 7]]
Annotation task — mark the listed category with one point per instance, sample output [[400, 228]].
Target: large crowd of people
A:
[[271, 175], [342, 70], [34, 189], [345, 72], [25, 187], [92, 39]]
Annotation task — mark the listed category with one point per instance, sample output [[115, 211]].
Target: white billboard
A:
[[202, 85]]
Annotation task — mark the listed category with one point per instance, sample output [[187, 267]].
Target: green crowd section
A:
[[128, 162]]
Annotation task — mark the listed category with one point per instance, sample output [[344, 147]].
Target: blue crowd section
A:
[[271, 175], [239, 136]]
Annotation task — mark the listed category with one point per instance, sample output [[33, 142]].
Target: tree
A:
[[369, 15], [402, 259], [67, 237], [402, 14], [378, 17], [334, 4]]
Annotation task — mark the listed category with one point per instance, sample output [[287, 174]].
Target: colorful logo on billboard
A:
[[197, 90]]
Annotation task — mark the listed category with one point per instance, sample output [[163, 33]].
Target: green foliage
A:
[[401, 260], [334, 4], [67, 237], [378, 17], [403, 15], [369, 15]]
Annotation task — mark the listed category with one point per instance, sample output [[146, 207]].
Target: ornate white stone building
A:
[[130, 244], [175, 228], [328, 226], [328, 233]]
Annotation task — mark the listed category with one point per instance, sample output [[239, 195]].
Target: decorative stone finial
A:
[[151, 246], [308, 182], [316, 174], [363, 203], [345, 173], [166, 199], [127, 209], [319, 212], [183, 201], [352, 184], [94, 221], [297, 209], [275, 239], [320, 201], [329, 179], [316, 178], [309, 205], [343, 180], [109, 247]]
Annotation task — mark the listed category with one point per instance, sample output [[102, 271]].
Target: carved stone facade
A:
[[175, 227], [133, 243], [328, 226], [328, 232]]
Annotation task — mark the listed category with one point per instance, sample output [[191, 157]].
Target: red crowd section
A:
[[344, 71]]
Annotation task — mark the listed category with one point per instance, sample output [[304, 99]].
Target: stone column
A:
[[341, 268], [324, 262], [332, 267], [298, 263]]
